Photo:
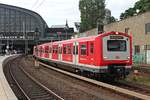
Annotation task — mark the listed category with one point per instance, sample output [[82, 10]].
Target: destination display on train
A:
[[116, 37]]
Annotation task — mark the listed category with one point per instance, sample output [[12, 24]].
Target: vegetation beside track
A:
[[139, 77]]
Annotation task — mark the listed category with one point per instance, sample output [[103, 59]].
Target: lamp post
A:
[[25, 38], [99, 26], [36, 36], [59, 35], [26, 43], [66, 29], [36, 43]]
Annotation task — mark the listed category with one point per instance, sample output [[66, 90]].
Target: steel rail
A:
[[101, 84], [18, 83], [34, 80], [40, 84]]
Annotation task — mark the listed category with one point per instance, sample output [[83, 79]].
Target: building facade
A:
[[17, 25], [59, 32]]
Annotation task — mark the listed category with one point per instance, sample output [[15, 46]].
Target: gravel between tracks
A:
[[68, 87]]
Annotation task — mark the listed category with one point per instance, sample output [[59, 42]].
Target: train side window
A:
[[56, 51], [83, 49], [46, 51], [53, 50], [69, 49], [91, 48], [64, 50]]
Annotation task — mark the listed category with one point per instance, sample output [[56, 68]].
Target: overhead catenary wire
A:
[[36, 2], [40, 4]]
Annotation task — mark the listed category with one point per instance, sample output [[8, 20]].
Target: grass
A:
[[141, 78]]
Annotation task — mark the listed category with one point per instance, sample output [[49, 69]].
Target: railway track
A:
[[118, 89], [114, 89], [142, 68], [133, 87], [31, 88]]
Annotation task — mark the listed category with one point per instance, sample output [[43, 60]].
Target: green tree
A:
[[139, 7], [142, 5], [91, 12], [129, 12], [112, 19]]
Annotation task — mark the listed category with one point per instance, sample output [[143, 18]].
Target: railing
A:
[[139, 59]]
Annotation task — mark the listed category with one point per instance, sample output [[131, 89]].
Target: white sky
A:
[[55, 12]]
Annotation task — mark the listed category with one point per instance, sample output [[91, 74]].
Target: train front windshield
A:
[[116, 45]]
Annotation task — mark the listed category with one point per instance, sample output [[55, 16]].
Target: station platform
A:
[[6, 92]]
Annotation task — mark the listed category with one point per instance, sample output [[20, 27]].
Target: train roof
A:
[[90, 38]]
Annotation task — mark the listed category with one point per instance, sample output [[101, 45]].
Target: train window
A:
[[46, 51], [91, 48], [53, 50], [69, 49], [64, 50], [116, 45], [83, 49]]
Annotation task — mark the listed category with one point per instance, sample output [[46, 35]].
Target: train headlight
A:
[[105, 57], [117, 33], [128, 57]]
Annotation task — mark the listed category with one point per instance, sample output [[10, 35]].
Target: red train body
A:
[[106, 53]]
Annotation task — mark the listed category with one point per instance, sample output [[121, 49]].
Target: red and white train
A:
[[106, 54]]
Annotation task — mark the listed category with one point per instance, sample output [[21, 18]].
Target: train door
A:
[[60, 52], [83, 53], [55, 52], [75, 52], [91, 52]]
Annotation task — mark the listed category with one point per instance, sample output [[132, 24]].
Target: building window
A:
[[136, 49], [146, 47], [147, 28], [127, 30]]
